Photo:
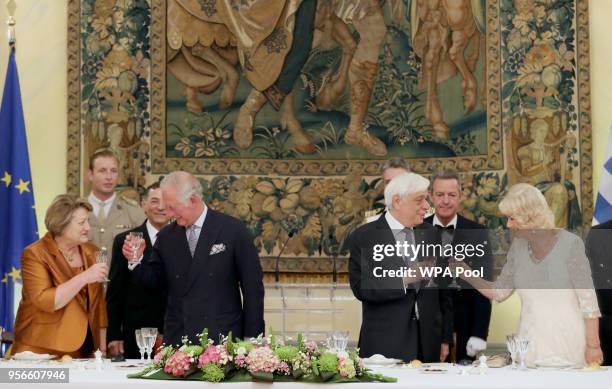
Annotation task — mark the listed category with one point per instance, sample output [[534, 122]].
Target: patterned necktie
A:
[[192, 238]]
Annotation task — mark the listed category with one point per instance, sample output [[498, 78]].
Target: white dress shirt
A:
[[198, 224], [437, 222], [96, 203]]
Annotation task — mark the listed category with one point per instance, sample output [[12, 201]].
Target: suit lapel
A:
[[381, 224], [147, 238]]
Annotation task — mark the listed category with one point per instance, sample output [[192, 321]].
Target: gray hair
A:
[[403, 185], [446, 175], [396, 163], [185, 184]]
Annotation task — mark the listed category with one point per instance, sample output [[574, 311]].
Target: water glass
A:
[[140, 343], [102, 257], [150, 336], [523, 346], [136, 239], [339, 340]]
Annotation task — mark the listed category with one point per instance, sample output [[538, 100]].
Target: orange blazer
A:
[[38, 326]]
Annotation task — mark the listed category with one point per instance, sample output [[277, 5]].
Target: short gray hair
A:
[[403, 185], [185, 184], [396, 163]]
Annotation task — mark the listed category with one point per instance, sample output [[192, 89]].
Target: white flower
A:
[[342, 354], [241, 350]]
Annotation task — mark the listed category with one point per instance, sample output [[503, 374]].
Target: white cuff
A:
[[475, 345], [132, 265]]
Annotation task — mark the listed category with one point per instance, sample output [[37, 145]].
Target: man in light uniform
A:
[[111, 214]]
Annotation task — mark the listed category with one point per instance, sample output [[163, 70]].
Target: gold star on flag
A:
[[23, 186], [15, 274], [7, 179]]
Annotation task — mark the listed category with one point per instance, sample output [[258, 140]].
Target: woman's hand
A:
[[593, 355], [96, 273]]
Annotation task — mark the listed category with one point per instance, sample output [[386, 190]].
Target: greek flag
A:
[[603, 205]]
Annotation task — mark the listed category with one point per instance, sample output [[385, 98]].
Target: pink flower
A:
[[283, 368], [262, 359], [311, 346], [178, 364], [240, 361], [211, 355]]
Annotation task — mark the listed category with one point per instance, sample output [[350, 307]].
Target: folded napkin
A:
[[28, 356]]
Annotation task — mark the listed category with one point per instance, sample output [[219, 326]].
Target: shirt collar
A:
[[200, 221], [394, 224], [437, 222], [152, 231], [93, 199]]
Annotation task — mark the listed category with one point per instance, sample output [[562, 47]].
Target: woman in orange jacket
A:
[[62, 309]]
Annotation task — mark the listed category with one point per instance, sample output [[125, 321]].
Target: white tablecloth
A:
[[114, 377]]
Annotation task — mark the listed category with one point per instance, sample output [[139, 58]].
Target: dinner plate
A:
[[589, 369]]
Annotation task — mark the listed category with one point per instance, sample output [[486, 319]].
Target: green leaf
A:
[[297, 373], [327, 375], [262, 376], [204, 338], [230, 344]]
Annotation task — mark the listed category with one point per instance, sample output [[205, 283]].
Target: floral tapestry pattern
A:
[[303, 170]]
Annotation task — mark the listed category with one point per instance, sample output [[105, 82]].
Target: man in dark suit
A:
[[472, 310], [599, 249], [208, 264], [129, 305], [400, 317]]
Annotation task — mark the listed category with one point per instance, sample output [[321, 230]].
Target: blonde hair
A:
[[59, 214], [526, 204], [403, 185]]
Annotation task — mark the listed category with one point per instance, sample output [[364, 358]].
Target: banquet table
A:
[[90, 375]]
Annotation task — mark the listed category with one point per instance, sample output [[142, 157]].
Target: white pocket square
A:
[[217, 248]]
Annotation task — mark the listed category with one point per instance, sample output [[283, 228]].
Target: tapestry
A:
[[288, 109]]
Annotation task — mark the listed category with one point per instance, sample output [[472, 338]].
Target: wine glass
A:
[[454, 284], [150, 333], [523, 346], [141, 344], [432, 282], [102, 257], [136, 239], [511, 341], [340, 340]]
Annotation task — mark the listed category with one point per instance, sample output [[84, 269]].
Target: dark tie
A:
[[450, 227]]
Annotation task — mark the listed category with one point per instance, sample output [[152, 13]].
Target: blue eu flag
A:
[[17, 215]]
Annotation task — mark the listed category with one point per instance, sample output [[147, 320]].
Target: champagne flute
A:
[[140, 344], [102, 257], [136, 239]]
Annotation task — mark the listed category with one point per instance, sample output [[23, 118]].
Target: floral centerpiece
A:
[[261, 359]]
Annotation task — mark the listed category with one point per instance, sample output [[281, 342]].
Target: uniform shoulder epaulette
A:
[[128, 200]]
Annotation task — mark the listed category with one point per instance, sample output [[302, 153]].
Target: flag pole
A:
[[10, 6]]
